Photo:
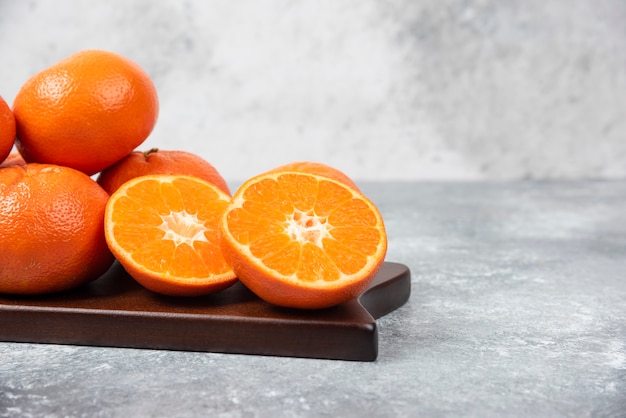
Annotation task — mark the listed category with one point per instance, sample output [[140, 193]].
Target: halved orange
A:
[[163, 229], [302, 240]]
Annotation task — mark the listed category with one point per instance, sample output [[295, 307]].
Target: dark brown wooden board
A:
[[115, 311]]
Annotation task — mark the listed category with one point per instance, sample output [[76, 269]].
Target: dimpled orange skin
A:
[[51, 229], [7, 130], [155, 161], [320, 169], [85, 112]]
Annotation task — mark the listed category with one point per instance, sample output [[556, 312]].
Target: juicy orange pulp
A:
[[302, 240], [163, 230]]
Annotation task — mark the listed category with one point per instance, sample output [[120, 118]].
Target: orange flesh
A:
[[306, 227], [173, 227]]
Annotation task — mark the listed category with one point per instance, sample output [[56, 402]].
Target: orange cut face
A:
[[302, 240], [163, 230]]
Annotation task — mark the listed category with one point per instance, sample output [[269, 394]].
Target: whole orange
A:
[[156, 161], [51, 229], [7, 130], [85, 112], [314, 167]]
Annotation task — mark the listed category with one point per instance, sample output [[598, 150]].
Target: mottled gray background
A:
[[433, 89]]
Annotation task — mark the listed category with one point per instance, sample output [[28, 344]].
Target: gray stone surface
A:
[[518, 308]]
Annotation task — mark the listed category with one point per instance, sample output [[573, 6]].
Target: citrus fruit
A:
[[51, 229], [156, 161], [86, 111], [163, 230], [7, 129], [302, 240], [319, 169], [14, 158]]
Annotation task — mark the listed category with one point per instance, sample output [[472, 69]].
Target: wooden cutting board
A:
[[115, 311]]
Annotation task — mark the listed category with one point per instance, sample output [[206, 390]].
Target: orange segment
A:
[[302, 240], [164, 230]]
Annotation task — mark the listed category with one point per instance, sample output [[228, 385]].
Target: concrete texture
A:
[[517, 310], [451, 89]]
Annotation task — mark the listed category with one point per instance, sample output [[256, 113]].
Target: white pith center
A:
[[307, 227], [183, 228]]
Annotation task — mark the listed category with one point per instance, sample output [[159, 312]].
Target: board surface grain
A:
[[115, 311]]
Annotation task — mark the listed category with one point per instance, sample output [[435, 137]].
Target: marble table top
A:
[[518, 308]]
